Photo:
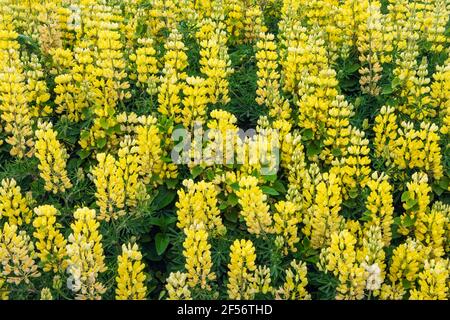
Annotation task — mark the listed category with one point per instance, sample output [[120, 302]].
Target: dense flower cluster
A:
[[224, 149]]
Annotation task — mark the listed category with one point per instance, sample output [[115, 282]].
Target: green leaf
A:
[[405, 196], [101, 143], [279, 186], [353, 193], [196, 171], [270, 178], [444, 182], [83, 154], [312, 149], [235, 186], [406, 284], [336, 152], [231, 216], [408, 222], [161, 243], [209, 174], [223, 206], [352, 68], [410, 203], [437, 189], [84, 134], [307, 134], [172, 183], [232, 199], [104, 123], [387, 90], [395, 83], [159, 222], [163, 199], [269, 190]]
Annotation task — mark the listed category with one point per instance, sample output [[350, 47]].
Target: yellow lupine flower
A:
[[262, 283], [147, 65], [407, 260], [285, 225], [15, 112], [241, 270], [255, 210], [110, 187], [195, 101], [177, 287], [379, 204], [323, 217], [148, 142], [416, 204], [294, 287], [52, 157], [371, 255], [385, 129], [197, 252], [46, 294], [430, 229], [370, 48], [215, 63], [268, 91], [338, 129], [37, 86], [130, 279], [444, 209], [4, 293], [198, 205], [85, 256], [13, 205], [432, 281], [17, 255], [340, 258], [50, 245]]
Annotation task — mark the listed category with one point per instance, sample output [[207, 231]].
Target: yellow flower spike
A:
[[370, 47], [148, 142], [13, 205], [432, 281], [407, 260], [198, 205], [4, 293], [195, 102], [285, 224], [110, 187], [340, 258], [268, 91], [385, 129], [147, 65], [52, 157], [85, 256], [17, 256], [130, 279], [338, 130], [197, 252], [254, 206], [416, 205], [46, 294], [50, 245], [215, 63], [262, 283], [177, 288], [323, 216], [241, 277], [294, 287], [379, 204], [14, 103]]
